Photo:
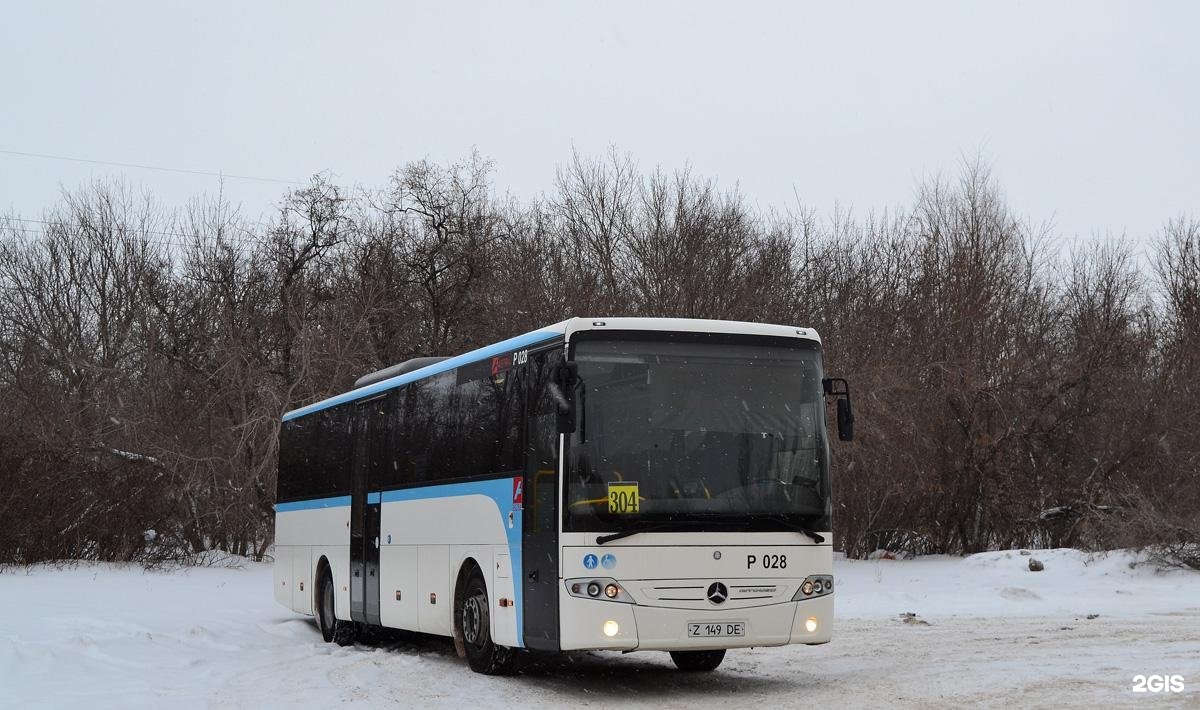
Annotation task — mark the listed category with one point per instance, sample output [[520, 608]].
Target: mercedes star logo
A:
[[717, 593]]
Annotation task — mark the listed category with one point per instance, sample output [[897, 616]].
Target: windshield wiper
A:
[[626, 533], [816, 536], [673, 525]]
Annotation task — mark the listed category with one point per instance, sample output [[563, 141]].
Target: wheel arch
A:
[[468, 567], [318, 570]]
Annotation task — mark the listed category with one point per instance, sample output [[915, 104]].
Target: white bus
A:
[[624, 484]]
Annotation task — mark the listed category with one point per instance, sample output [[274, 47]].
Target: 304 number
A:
[[623, 499]]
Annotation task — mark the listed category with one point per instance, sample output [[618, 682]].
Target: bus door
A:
[[371, 442], [540, 546]]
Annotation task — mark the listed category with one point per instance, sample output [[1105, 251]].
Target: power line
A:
[[33, 232], [169, 239], [114, 163], [243, 240], [191, 238]]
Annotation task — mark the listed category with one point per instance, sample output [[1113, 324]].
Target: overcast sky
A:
[[1088, 112]]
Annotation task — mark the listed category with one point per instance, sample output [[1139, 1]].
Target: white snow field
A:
[[988, 632]]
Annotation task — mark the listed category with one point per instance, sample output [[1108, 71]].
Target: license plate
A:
[[710, 629]]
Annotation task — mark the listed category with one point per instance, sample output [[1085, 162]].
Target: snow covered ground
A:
[[987, 632]]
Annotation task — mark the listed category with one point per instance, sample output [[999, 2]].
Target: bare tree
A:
[[1007, 393]]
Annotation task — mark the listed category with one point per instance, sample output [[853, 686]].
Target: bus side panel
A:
[[446, 525], [398, 593], [302, 589], [317, 529], [436, 604], [504, 621], [283, 575]]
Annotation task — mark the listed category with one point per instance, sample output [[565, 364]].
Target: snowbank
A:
[[999, 584], [109, 636]]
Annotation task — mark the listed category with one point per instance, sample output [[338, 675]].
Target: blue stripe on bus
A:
[[521, 341], [500, 491], [313, 504], [372, 498]]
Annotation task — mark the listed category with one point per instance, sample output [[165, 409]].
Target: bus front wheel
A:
[[474, 622], [697, 660], [340, 632]]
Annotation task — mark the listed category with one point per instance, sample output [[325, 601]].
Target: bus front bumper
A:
[[587, 624]]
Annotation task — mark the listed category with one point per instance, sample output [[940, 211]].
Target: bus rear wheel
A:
[[474, 625], [342, 633], [697, 660]]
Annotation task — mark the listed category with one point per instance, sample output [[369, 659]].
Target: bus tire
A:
[[696, 661], [342, 633], [474, 621]]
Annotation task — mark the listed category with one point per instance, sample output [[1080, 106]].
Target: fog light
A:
[[611, 591], [593, 589], [807, 587], [610, 628], [810, 625]]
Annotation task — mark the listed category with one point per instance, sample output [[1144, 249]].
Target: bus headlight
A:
[[599, 589], [813, 586]]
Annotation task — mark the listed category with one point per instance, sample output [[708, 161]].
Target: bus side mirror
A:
[[567, 379], [845, 420], [845, 413]]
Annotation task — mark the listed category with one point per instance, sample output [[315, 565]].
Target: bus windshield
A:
[[697, 431]]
